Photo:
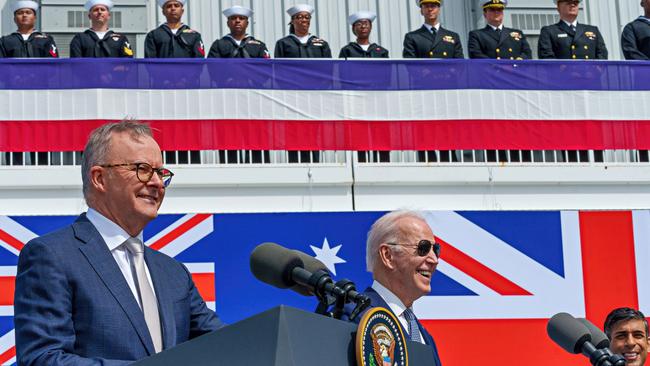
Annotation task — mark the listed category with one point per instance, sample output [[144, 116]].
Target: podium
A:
[[282, 336]]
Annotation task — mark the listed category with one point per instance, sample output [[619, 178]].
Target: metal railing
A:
[[282, 157]]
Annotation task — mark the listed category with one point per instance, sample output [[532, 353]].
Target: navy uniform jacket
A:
[[37, 45], [421, 44], [290, 47], [353, 50], [635, 39], [249, 47], [560, 42], [162, 43], [508, 44], [87, 44], [73, 306], [377, 301]]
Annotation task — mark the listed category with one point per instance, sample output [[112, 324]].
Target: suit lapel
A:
[[566, 28], [580, 31], [504, 35], [102, 261], [492, 33], [438, 38], [377, 301], [165, 299]]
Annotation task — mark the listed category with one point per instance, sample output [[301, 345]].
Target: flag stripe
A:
[[473, 342], [7, 293], [345, 135], [608, 262], [11, 241], [204, 282], [8, 355], [480, 272], [180, 230]]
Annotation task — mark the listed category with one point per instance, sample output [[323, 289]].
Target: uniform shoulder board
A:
[[189, 30], [40, 35], [253, 41]]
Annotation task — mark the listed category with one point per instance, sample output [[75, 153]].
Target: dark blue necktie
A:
[[414, 329]]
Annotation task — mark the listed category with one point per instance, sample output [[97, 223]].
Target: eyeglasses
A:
[[423, 247], [144, 172], [302, 17]]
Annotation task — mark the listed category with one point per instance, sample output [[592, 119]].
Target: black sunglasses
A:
[[423, 247]]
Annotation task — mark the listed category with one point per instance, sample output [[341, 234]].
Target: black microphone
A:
[[600, 341], [574, 337], [312, 265]]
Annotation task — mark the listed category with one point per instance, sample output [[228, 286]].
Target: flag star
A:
[[328, 255]]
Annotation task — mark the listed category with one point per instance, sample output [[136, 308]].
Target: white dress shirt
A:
[[574, 24], [394, 303], [114, 236], [429, 26]]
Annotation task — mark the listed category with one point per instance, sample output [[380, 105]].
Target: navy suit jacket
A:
[[74, 307], [377, 301]]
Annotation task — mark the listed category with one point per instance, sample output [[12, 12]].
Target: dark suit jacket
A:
[[635, 40], [377, 301], [509, 44], [74, 307], [353, 50], [558, 41], [290, 47], [421, 44], [163, 43]]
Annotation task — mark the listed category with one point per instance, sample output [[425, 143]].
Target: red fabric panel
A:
[[344, 135], [608, 263]]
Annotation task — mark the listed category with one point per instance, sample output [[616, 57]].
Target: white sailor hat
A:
[[493, 4], [300, 8], [238, 10], [420, 2], [24, 4], [91, 3], [362, 15], [162, 3], [555, 1]]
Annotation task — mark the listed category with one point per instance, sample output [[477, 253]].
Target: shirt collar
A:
[[394, 303], [575, 23], [500, 27], [111, 232], [429, 26]]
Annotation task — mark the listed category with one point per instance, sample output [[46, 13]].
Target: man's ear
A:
[[98, 178], [386, 256]]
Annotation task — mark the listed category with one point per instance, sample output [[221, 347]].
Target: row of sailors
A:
[[566, 39]]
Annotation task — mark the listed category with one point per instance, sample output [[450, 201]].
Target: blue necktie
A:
[[414, 330]]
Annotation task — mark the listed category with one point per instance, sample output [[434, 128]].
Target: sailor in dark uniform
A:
[[238, 44], [361, 23], [495, 40], [569, 39], [300, 43], [99, 41], [26, 41], [635, 39], [432, 40], [173, 39]]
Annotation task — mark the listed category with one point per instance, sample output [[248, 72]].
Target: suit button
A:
[[512, 58], [444, 53], [586, 57], [574, 56], [509, 49], [498, 58], [586, 47], [573, 47], [498, 50]]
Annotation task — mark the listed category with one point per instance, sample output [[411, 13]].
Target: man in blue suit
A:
[[92, 293], [402, 254]]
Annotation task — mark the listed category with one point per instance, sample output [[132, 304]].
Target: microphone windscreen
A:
[[312, 265], [598, 337], [272, 264], [567, 332]]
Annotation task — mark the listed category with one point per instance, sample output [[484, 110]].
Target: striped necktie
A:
[[414, 329]]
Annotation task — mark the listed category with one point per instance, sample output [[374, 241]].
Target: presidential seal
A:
[[380, 341]]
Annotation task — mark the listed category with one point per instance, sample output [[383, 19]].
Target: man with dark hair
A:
[[495, 40], [26, 41], [432, 40], [93, 293], [361, 23], [568, 39], [635, 39], [238, 44], [627, 330], [401, 254], [98, 40], [173, 39]]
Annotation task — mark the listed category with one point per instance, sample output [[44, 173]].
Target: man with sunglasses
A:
[[401, 254], [569, 39], [92, 292]]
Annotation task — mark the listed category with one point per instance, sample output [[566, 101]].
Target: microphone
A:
[[312, 265], [575, 337], [600, 341]]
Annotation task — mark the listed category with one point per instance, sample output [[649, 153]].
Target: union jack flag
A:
[[500, 277]]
